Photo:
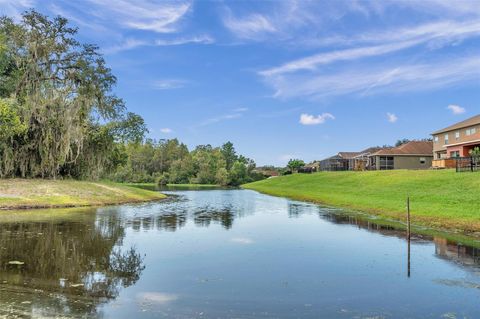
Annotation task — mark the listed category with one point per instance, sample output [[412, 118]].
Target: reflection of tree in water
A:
[[79, 263], [204, 217], [295, 210], [176, 219], [172, 221]]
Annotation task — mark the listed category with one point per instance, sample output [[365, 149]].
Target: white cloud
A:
[[432, 33], [370, 79], [128, 44], [14, 8], [169, 84], [392, 118], [161, 17], [307, 119], [252, 26], [456, 109], [311, 62], [166, 130], [234, 114], [201, 39], [132, 43], [399, 39]]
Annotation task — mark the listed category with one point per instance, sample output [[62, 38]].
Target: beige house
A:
[[455, 141], [411, 155]]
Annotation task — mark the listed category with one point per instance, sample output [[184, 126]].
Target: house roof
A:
[[348, 155], [468, 122], [424, 148]]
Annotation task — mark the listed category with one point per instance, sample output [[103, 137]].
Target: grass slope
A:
[[37, 193], [441, 199]]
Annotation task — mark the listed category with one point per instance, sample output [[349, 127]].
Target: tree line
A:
[[60, 118], [169, 161]]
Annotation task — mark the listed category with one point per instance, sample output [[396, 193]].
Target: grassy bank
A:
[[36, 193], [440, 199]]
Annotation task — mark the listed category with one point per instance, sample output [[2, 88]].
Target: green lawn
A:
[[441, 199], [38, 193]]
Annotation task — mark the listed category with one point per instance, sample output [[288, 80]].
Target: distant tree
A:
[[401, 142], [229, 154], [238, 174], [295, 164]]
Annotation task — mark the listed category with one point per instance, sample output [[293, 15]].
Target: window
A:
[[435, 139], [446, 138], [457, 135], [386, 162], [455, 154], [471, 131], [423, 160]]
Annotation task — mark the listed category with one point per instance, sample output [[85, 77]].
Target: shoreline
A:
[[446, 213], [386, 219]]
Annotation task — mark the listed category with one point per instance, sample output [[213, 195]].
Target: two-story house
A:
[[455, 141]]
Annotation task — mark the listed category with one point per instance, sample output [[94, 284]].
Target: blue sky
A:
[[283, 79]]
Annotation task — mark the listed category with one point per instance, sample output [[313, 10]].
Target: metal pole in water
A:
[[408, 236]]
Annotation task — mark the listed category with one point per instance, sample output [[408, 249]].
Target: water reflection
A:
[[75, 264], [66, 266]]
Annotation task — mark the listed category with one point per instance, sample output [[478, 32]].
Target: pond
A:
[[228, 254]]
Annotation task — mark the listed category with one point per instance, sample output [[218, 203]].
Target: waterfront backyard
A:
[[229, 254]]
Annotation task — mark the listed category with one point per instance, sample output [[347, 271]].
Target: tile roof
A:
[[411, 148], [468, 122]]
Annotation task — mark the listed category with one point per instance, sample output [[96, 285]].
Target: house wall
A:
[[407, 162], [439, 146], [412, 162]]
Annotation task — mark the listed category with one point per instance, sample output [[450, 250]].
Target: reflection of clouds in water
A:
[[242, 240], [158, 298]]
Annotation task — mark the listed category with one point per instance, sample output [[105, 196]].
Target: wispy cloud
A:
[[132, 43], [14, 8], [169, 84], [201, 39], [251, 26], [307, 119], [436, 34], [456, 109], [392, 118], [370, 79], [234, 114], [166, 130], [128, 44], [161, 17], [312, 62]]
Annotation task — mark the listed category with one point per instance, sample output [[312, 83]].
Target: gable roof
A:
[[468, 122], [424, 148]]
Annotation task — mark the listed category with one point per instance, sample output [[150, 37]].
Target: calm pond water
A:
[[227, 254]]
